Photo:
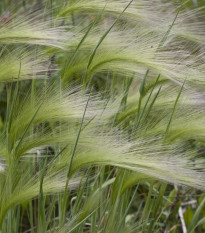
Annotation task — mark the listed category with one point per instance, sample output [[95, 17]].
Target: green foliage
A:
[[102, 116]]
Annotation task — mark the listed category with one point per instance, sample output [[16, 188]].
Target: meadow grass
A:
[[102, 116]]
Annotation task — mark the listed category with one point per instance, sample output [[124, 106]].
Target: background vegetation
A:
[[102, 116]]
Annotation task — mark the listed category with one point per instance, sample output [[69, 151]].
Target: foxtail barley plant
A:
[[102, 116]]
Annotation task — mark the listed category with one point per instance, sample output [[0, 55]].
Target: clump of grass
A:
[[76, 159]]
